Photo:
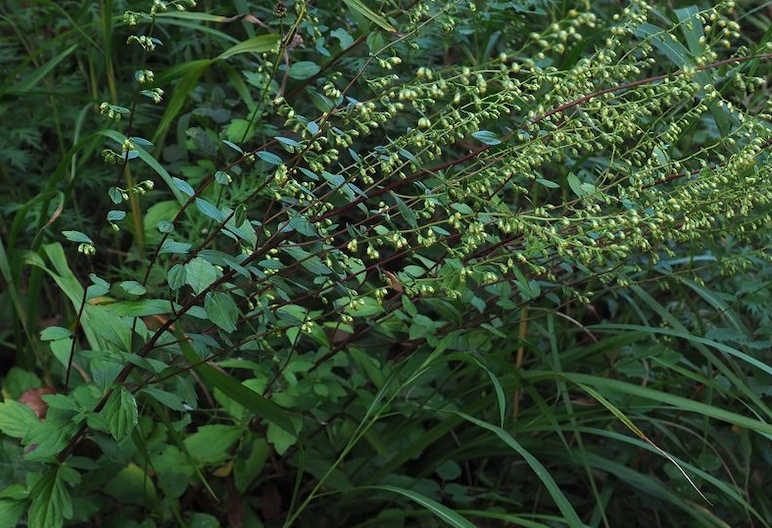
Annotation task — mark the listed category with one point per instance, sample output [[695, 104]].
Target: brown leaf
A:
[[33, 398], [394, 281]]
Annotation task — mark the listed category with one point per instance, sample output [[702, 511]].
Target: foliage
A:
[[385, 263]]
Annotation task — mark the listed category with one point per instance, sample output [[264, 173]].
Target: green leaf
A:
[[303, 70], [691, 27], [11, 511], [269, 157], [77, 236], [222, 178], [662, 40], [210, 210], [309, 261], [280, 438], [133, 287], [287, 141], [449, 470], [115, 195], [362, 9], [148, 160], [131, 485], [568, 512], [343, 37], [245, 470], [235, 390], [221, 310], [442, 512], [98, 287], [165, 226], [259, 44], [406, 212], [16, 419], [292, 314], [120, 413], [183, 186], [462, 208], [487, 137], [192, 71], [51, 502], [116, 215], [170, 246], [210, 444], [142, 142], [576, 185], [199, 274], [171, 400], [548, 183], [176, 276], [55, 333]]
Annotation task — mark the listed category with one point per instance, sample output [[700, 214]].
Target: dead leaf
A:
[[33, 398]]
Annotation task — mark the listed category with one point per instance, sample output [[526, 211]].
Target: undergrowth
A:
[[385, 264]]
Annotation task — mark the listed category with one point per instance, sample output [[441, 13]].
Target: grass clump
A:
[[390, 264]]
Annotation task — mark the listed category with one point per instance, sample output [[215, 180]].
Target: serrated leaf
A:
[[51, 502], [11, 512], [16, 419], [120, 413], [406, 212], [221, 310]]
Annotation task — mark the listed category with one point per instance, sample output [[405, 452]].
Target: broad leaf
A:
[[120, 413]]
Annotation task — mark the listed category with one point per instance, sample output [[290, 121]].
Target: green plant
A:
[[434, 262]]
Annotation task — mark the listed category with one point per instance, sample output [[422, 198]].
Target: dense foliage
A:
[[394, 263]]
